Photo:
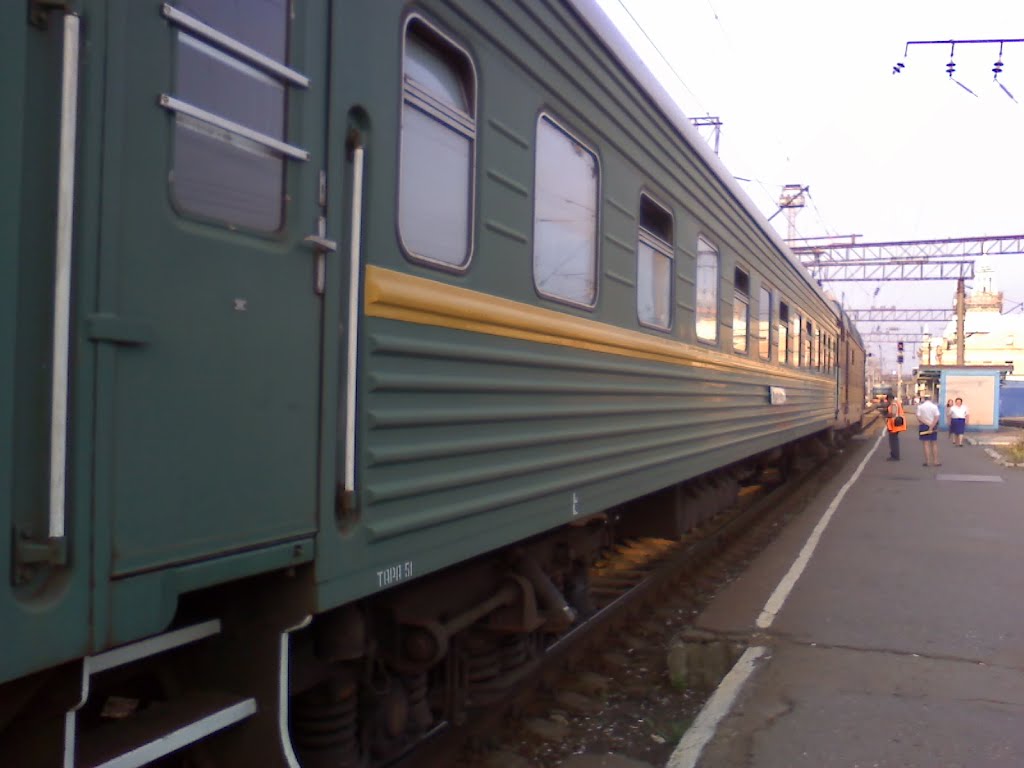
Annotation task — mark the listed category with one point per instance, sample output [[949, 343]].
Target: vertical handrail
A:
[[284, 692], [353, 320], [62, 278]]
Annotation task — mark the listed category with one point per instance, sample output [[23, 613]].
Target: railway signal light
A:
[[899, 347]]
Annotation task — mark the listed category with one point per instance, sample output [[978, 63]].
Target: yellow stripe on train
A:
[[399, 296]]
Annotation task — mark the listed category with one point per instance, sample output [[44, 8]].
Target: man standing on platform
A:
[[928, 418], [894, 423]]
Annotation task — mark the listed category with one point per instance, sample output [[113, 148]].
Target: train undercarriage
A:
[[247, 677]]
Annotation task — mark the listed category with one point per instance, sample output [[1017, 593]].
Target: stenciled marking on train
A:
[[393, 574]]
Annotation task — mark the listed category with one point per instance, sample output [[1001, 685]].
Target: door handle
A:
[[321, 244], [321, 247]]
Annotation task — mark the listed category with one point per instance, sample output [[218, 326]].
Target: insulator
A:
[[997, 68], [898, 68], [951, 68]]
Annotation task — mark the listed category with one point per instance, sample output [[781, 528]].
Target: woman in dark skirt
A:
[[958, 421]]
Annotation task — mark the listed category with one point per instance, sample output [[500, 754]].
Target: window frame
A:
[[474, 95], [560, 125], [810, 361], [762, 291], [712, 248], [798, 338], [783, 356], [668, 251], [743, 298]]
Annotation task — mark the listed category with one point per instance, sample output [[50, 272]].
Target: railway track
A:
[[638, 579]]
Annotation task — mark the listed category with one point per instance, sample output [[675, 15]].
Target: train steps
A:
[[137, 738]]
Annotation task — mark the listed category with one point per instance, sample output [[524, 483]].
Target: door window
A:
[[231, 87]]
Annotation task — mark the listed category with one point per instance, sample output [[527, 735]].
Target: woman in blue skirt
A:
[[958, 421]]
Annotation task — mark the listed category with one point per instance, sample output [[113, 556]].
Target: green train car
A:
[[337, 338]]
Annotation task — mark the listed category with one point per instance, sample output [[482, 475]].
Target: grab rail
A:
[[62, 278]]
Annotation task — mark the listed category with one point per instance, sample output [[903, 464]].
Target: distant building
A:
[[990, 337]]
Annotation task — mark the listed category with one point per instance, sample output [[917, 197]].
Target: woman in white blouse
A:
[[958, 421]]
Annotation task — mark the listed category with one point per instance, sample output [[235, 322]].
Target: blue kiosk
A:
[[978, 385]]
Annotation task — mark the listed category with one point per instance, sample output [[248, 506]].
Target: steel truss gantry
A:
[[891, 315], [946, 259], [879, 270], [949, 248]]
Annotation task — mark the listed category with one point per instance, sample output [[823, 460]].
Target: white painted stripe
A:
[[777, 600], [717, 707], [971, 478], [689, 750]]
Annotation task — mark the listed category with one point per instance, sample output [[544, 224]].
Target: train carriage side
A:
[[588, 327], [327, 341], [854, 374]]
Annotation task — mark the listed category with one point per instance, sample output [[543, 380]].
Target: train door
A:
[[208, 406], [837, 372], [844, 378]]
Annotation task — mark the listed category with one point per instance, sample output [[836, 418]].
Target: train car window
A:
[[654, 265], [740, 310], [564, 216], [819, 347], [783, 332], [438, 145], [707, 291], [764, 316], [797, 346], [218, 173], [809, 345]]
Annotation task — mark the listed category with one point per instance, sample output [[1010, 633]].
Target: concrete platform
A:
[[900, 643]]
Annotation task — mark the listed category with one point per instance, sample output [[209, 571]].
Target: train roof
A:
[[599, 22]]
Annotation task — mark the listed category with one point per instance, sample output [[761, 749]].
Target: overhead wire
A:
[[662, 55]]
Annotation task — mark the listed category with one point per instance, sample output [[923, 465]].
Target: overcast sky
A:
[[807, 96]]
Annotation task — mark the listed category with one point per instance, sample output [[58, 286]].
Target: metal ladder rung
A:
[[126, 654], [167, 728]]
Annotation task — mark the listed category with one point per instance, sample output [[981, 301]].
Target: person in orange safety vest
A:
[[895, 423]]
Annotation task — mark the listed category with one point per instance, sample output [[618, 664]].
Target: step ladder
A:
[[160, 729]]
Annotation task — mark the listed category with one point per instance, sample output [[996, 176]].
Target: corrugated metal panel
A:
[[467, 423]]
